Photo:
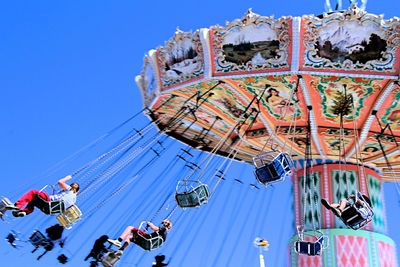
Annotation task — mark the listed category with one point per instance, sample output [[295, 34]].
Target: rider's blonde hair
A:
[[167, 223]]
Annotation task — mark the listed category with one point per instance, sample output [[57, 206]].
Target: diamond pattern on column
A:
[[351, 251], [387, 255], [375, 194], [342, 182], [311, 197], [307, 261]]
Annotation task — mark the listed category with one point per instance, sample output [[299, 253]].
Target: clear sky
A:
[[67, 73]]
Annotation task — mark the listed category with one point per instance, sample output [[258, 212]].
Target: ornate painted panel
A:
[[390, 111], [278, 99], [252, 44], [334, 142], [147, 82], [181, 60], [372, 150], [352, 41], [329, 93], [290, 70]]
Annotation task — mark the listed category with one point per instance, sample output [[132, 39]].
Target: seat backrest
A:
[[57, 207], [49, 207], [186, 200], [3, 204], [142, 242], [353, 218], [266, 174], [202, 192], [71, 215], [349, 213], [364, 212], [274, 170], [148, 243], [308, 248], [108, 260], [193, 198]]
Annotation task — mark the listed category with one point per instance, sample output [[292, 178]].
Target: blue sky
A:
[[67, 77]]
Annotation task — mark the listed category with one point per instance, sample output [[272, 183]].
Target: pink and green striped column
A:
[[367, 247]]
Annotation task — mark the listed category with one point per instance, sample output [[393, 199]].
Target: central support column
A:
[[367, 247]]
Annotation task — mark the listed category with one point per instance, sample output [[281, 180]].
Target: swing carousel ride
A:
[[318, 96], [313, 98]]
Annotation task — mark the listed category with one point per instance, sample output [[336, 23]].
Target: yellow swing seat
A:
[[109, 260], [71, 215]]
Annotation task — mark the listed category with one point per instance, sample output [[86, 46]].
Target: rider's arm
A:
[[153, 227], [61, 183]]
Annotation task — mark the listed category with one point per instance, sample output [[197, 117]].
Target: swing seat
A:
[[49, 207], [272, 167], [147, 242], [71, 215], [357, 217], [309, 248], [109, 260], [312, 247], [193, 195], [4, 203]]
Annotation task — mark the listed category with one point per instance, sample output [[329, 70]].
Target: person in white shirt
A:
[[30, 199]]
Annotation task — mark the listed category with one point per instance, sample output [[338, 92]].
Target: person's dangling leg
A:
[[29, 208], [343, 204], [335, 205], [29, 196], [125, 234], [126, 243], [124, 246], [27, 199]]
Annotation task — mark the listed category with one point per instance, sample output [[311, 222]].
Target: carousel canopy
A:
[[333, 75]]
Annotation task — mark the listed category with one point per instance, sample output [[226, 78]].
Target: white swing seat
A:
[[272, 167], [110, 259], [4, 203], [71, 215], [49, 207]]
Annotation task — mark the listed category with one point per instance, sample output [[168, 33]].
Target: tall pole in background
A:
[[262, 244]]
